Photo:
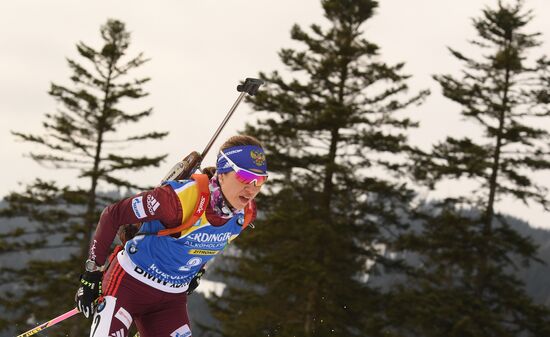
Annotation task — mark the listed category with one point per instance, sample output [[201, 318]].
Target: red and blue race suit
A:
[[147, 280]]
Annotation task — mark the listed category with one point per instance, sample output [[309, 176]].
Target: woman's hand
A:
[[88, 292]]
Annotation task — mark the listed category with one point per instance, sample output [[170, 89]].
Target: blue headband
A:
[[248, 157]]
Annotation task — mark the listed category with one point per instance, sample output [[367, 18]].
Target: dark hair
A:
[[238, 140]]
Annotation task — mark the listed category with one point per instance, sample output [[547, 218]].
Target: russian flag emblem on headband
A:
[[248, 157]]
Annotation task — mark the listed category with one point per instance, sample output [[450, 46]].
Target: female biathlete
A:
[[147, 282]]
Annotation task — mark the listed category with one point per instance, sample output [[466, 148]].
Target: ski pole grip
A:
[[250, 86]]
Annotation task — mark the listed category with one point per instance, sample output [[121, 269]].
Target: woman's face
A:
[[237, 194]]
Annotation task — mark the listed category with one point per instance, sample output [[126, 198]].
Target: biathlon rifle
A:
[[192, 162]]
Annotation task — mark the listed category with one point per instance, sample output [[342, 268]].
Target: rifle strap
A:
[[202, 202]]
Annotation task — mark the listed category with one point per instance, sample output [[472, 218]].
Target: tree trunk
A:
[[92, 203]]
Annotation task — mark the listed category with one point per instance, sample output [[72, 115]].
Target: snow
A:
[[207, 288]]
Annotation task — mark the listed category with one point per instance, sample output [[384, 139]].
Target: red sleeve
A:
[[161, 203]]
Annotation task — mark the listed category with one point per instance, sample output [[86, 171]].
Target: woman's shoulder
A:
[[180, 185]]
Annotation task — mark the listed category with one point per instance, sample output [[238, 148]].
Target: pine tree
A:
[[334, 139], [82, 136], [466, 284]]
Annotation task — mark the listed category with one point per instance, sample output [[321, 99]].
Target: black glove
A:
[[195, 281], [88, 293]]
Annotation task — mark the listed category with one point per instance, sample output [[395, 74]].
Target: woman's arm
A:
[[160, 203]]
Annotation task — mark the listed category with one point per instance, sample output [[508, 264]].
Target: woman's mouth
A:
[[244, 200]]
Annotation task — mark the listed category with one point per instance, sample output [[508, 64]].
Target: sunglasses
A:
[[246, 176]]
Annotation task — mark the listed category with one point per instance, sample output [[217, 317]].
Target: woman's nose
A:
[[252, 189]]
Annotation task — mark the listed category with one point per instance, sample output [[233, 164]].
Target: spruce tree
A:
[[54, 224], [334, 137], [466, 285]]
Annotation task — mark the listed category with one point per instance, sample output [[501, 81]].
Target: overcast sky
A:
[[200, 50]]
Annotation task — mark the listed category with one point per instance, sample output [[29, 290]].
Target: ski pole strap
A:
[[50, 323], [202, 202]]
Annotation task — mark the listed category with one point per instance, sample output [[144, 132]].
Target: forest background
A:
[[192, 91]]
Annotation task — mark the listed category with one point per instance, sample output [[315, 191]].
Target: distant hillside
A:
[[536, 276]]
